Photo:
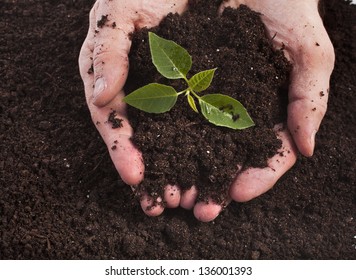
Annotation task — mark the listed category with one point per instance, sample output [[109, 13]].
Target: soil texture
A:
[[182, 148], [60, 195]]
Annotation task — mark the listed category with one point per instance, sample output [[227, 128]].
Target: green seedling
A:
[[174, 62]]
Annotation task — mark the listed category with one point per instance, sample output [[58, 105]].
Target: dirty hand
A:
[[295, 27], [103, 63], [103, 66]]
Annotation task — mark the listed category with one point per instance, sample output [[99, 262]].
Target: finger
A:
[[152, 12], [126, 158], [172, 196], [150, 206], [85, 64], [207, 211], [111, 46], [154, 207], [307, 46], [188, 198], [114, 128], [298, 29], [85, 61], [112, 23], [256, 181], [309, 90]]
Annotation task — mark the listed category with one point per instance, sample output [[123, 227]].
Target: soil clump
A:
[[180, 147]]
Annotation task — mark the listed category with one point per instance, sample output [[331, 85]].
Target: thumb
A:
[[308, 92], [110, 57]]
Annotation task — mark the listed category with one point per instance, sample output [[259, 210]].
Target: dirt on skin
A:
[[60, 196]]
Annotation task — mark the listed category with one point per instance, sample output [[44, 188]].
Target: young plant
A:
[[174, 62]]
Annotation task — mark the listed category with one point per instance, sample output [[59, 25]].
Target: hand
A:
[[295, 27], [104, 93], [103, 63]]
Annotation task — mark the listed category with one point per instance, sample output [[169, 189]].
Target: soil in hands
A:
[[59, 191], [180, 147]]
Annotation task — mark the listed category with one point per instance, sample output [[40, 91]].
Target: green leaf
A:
[[192, 104], [153, 98], [223, 110], [170, 59], [202, 80]]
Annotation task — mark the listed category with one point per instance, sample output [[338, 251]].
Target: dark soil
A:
[[181, 147], [60, 196]]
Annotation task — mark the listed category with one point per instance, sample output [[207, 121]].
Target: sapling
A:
[[174, 62]]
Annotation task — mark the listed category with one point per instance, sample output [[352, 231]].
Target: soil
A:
[[61, 198], [182, 148]]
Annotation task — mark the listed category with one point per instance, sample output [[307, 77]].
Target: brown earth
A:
[[180, 147], [60, 197]]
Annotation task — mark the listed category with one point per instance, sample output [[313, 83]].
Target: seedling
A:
[[174, 62]]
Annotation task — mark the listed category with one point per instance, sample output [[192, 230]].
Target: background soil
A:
[[60, 197]]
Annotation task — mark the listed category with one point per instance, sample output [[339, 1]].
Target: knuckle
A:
[[104, 55], [318, 54], [323, 106], [93, 11], [99, 55], [96, 6]]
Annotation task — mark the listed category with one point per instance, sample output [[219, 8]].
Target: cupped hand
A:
[[103, 63], [296, 28]]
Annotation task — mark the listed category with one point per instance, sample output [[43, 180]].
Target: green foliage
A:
[[192, 104], [202, 80], [153, 98], [223, 110], [170, 59], [174, 62]]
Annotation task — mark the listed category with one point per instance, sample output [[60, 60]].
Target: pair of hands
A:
[[295, 26]]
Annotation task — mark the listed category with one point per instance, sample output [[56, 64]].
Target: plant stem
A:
[[193, 92], [183, 91]]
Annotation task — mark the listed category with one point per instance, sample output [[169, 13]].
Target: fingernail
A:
[[312, 139], [100, 85]]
